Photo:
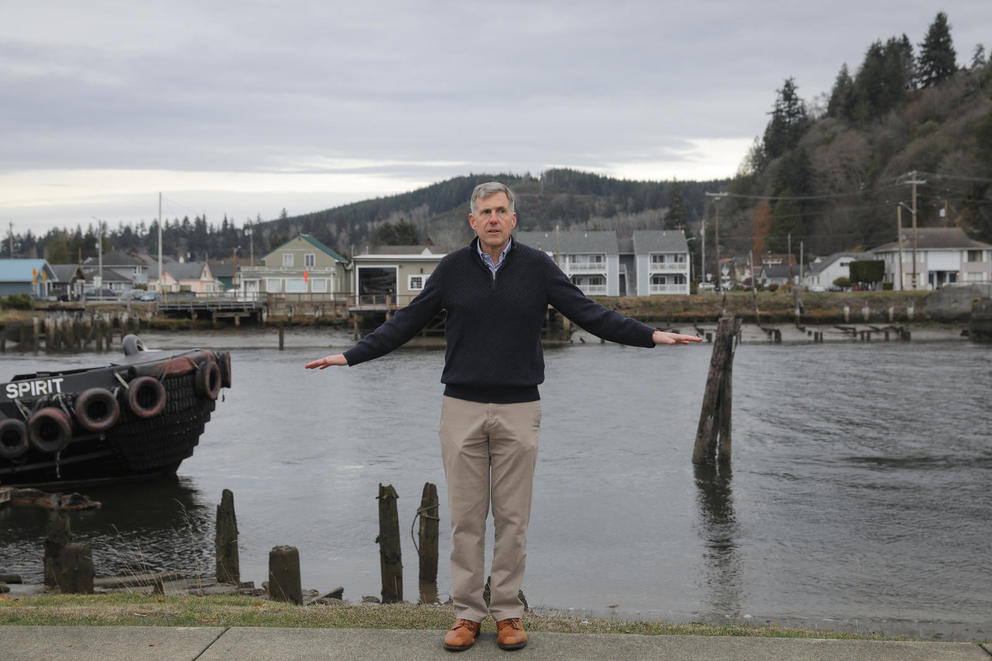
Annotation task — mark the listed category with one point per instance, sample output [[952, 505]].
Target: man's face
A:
[[493, 221]]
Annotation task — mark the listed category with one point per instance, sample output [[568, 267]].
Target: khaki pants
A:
[[488, 450]]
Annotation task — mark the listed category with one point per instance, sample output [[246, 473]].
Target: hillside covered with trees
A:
[[832, 173]]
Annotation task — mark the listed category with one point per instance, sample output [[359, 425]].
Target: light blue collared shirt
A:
[[489, 260]]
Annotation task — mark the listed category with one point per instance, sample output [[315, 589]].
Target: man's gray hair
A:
[[483, 191]]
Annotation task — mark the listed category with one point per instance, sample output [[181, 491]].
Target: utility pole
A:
[[899, 239], [161, 267], [99, 256], [716, 235], [788, 243], [914, 181], [702, 246]]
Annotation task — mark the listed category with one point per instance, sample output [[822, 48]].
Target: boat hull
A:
[[147, 435]]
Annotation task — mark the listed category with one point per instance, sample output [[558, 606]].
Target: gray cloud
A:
[[259, 86]]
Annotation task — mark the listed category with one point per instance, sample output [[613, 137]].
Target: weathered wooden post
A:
[[56, 538], [390, 559], [427, 548], [228, 563], [713, 436], [76, 572], [282, 337], [284, 575]]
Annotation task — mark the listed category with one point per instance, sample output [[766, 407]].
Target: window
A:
[[287, 259], [296, 286], [975, 256], [273, 285], [415, 282], [310, 260], [319, 285]]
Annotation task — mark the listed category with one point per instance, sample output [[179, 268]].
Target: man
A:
[[496, 293]]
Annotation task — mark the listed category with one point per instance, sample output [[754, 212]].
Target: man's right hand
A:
[[328, 361]]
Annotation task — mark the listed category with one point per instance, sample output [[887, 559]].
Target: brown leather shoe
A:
[[510, 634], [462, 635]]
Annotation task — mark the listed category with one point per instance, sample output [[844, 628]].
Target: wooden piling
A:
[[428, 533], [76, 572], [228, 563], [56, 538], [284, 575], [282, 338], [390, 558], [713, 437]]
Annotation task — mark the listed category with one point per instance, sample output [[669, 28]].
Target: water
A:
[[858, 498]]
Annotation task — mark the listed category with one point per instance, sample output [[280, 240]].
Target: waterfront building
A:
[[936, 256], [302, 269]]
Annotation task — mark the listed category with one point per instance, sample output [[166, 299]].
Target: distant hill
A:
[[568, 198]]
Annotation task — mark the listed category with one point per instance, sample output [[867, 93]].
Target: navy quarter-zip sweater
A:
[[493, 326]]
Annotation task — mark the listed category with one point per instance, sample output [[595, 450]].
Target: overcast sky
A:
[[245, 108]]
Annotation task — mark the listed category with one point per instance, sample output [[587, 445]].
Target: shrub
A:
[[17, 302], [842, 282]]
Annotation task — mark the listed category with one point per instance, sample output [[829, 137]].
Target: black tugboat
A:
[[139, 415]]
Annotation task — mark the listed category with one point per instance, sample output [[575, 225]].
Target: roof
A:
[[66, 272], [20, 270], [779, 271], [221, 269], [822, 263], [320, 246], [646, 241], [109, 274], [935, 238], [116, 258], [571, 242], [178, 270], [400, 250]]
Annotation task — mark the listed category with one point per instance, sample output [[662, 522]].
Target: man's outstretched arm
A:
[[337, 359], [661, 337]]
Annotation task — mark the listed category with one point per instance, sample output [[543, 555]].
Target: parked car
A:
[[101, 293], [148, 296]]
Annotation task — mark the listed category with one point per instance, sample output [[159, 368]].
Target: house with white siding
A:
[[662, 263], [938, 256], [590, 259], [820, 274]]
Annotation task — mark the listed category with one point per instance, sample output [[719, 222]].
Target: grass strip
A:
[[125, 609]]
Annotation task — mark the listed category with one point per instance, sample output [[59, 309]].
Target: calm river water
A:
[[859, 497]]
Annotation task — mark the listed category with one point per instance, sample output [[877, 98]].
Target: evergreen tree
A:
[[788, 123], [787, 222], [842, 98], [676, 217], [937, 57]]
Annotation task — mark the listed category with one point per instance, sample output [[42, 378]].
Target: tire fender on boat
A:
[[97, 409], [132, 345], [208, 379], [146, 397], [50, 429], [224, 362], [13, 438]]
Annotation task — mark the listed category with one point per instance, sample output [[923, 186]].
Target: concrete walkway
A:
[[271, 644]]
